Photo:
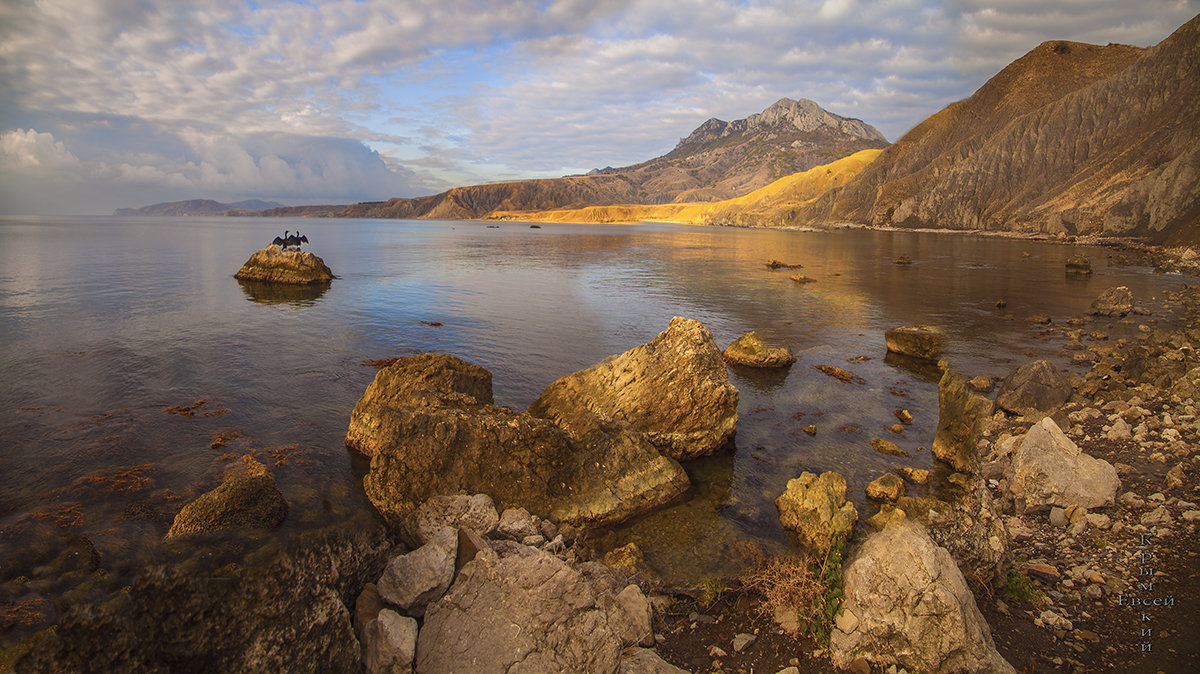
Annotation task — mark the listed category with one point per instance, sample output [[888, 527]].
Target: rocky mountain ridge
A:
[[719, 160], [198, 207], [1069, 139]]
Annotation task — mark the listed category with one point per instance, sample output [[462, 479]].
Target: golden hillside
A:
[[767, 206]]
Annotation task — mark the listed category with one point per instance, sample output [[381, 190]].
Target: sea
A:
[[134, 366]]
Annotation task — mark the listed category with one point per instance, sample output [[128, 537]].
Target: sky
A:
[[120, 103]]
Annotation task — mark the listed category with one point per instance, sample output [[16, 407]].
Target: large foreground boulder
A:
[[753, 349], [247, 498], [295, 267], [1034, 388], [674, 388], [430, 428], [918, 341], [1048, 469], [961, 415], [816, 508], [530, 612], [906, 603]]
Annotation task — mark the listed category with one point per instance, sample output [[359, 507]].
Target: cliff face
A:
[[1069, 138]]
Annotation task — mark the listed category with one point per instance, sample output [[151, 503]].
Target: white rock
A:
[[1048, 469], [391, 643], [517, 524], [414, 580], [476, 512], [913, 606]]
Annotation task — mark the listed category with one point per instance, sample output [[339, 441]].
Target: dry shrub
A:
[[786, 583]]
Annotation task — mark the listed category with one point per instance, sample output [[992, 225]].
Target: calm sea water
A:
[[106, 323]]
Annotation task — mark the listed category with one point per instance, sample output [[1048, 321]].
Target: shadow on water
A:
[[925, 370], [764, 379], [283, 293]]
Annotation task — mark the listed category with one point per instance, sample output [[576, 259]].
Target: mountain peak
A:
[[787, 115]]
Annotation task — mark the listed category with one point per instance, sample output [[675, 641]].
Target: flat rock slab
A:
[[918, 341], [529, 612], [294, 267]]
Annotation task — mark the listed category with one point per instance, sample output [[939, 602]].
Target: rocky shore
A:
[[1059, 532]]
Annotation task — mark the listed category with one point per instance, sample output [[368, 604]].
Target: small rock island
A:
[[274, 264]]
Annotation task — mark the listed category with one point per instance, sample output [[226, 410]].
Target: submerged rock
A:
[[1115, 302], [816, 508], [918, 341], [283, 614], [274, 265], [752, 349], [911, 607], [1079, 265], [1034, 388], [247, 498], [674, 388], [530, 612], [887, 447], [1048, 469]]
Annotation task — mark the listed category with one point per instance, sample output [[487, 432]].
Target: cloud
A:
[[344, 99]]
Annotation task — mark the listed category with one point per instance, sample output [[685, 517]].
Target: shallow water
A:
[[105, 323]]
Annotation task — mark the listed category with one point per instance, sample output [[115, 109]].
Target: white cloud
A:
[[277, 98], [26, 149]]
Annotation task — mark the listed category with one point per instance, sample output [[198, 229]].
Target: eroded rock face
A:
[[1116, 302], [475, 512], [753, 349], [906, 603], [428, 424], [674, 388], [917, 341], [1034, 388], [961, 414], [274, 265], [1048, 469], [816, 508], [529, 612], [247, 498], [423, 379]]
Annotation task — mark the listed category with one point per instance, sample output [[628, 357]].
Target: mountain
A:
[[721, 160], [718, 160], [199, 207], [1071, 138], [767, 206]]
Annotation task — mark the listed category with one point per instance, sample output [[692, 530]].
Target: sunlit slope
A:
[[767, 206]]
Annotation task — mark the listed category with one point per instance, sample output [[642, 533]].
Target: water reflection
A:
[[283, 293]]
